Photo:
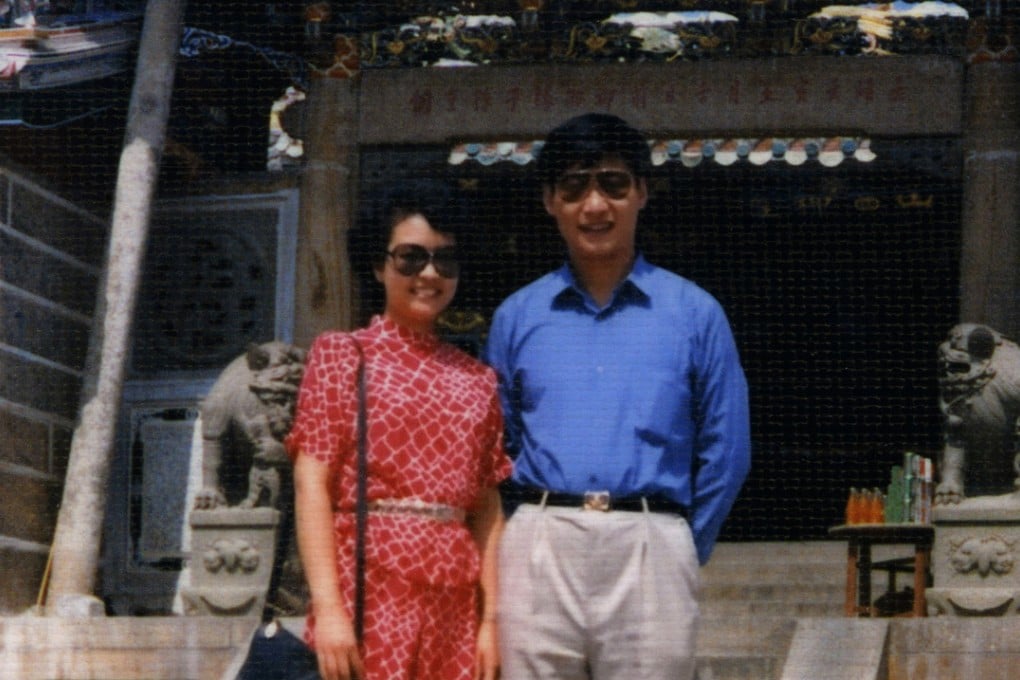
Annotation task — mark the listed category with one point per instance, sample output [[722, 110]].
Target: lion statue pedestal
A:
[[977, 502], [974, 558], [233, 553]]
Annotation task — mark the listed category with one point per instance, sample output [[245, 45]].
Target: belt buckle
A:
[[596, 500]]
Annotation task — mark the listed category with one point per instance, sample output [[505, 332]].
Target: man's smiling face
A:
[[600, 225]]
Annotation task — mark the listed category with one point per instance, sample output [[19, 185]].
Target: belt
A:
[[601, 500], [414, 506]]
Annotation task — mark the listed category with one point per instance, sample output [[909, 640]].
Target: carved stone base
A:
[[222, 601], [231, 561], [972, 601], [974, 558]]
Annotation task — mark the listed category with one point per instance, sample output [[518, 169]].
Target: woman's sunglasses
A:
[[410, 259], [614, 184]]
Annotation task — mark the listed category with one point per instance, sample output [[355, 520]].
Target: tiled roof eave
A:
[[827, 151]]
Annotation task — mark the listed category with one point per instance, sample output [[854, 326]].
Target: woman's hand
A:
[[336, 647], [487, 654], [486, 525]]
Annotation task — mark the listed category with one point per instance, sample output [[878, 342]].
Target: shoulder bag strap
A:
[[361, 502]]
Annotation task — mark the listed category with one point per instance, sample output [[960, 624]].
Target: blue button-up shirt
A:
[[643, 396]]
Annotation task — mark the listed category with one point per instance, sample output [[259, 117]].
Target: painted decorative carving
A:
[[482, 38], [986, 555], [426, 40], [669, 35], [883, 29], [979, 381], [245, 417], [284, 149]]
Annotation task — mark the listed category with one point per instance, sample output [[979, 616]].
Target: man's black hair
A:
[[586, 140]]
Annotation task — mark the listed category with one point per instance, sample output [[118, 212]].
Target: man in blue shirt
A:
[[626, 411]]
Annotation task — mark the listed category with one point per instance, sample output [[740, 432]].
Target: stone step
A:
[[774, 579], [773, 608], [751, 579], [760, 553], [773, 592], [807, 573], [744, 636], [738, 668], [752, 595], [837, 649], [743, 647]]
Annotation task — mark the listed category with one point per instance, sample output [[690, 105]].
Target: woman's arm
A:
[[335, 644], [486, 525]]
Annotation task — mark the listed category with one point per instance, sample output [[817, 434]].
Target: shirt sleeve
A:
[[722, 447], [326, 406]]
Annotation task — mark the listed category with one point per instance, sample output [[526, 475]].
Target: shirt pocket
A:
[[662, 408]]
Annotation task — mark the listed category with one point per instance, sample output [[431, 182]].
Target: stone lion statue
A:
[[979, 396], [245, 417]]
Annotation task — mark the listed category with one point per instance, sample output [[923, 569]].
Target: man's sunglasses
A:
[[410, 259], [614, 184]]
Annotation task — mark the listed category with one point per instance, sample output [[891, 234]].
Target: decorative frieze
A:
[[662, 31]]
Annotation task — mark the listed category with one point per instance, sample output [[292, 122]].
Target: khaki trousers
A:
[[589, 595]]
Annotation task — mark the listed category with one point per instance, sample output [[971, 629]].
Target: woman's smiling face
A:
[[416, 301]]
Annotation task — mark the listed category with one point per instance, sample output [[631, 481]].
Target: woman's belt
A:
[[418, 507]]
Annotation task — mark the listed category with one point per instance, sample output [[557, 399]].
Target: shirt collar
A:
[[388, 328], [631, 290]]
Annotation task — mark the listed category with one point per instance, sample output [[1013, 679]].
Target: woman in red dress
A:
[[435, 457]]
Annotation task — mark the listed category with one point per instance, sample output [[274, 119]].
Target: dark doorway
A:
[[839, 283]]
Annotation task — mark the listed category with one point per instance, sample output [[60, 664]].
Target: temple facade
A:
[[844, 180]]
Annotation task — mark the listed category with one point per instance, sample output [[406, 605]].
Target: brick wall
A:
[[50, 263]]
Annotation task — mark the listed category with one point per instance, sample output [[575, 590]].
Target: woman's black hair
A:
[[437, 201], [586, 140]]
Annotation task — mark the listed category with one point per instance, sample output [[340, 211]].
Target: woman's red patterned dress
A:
[[435, 433]]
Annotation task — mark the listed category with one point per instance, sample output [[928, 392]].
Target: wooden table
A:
[[860, 538]]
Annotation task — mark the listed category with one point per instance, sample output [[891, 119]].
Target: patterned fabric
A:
[[413, 631], [434, 434]]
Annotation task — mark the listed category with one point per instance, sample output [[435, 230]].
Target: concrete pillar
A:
[[990, 259], [323, 291], [78, 537]]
